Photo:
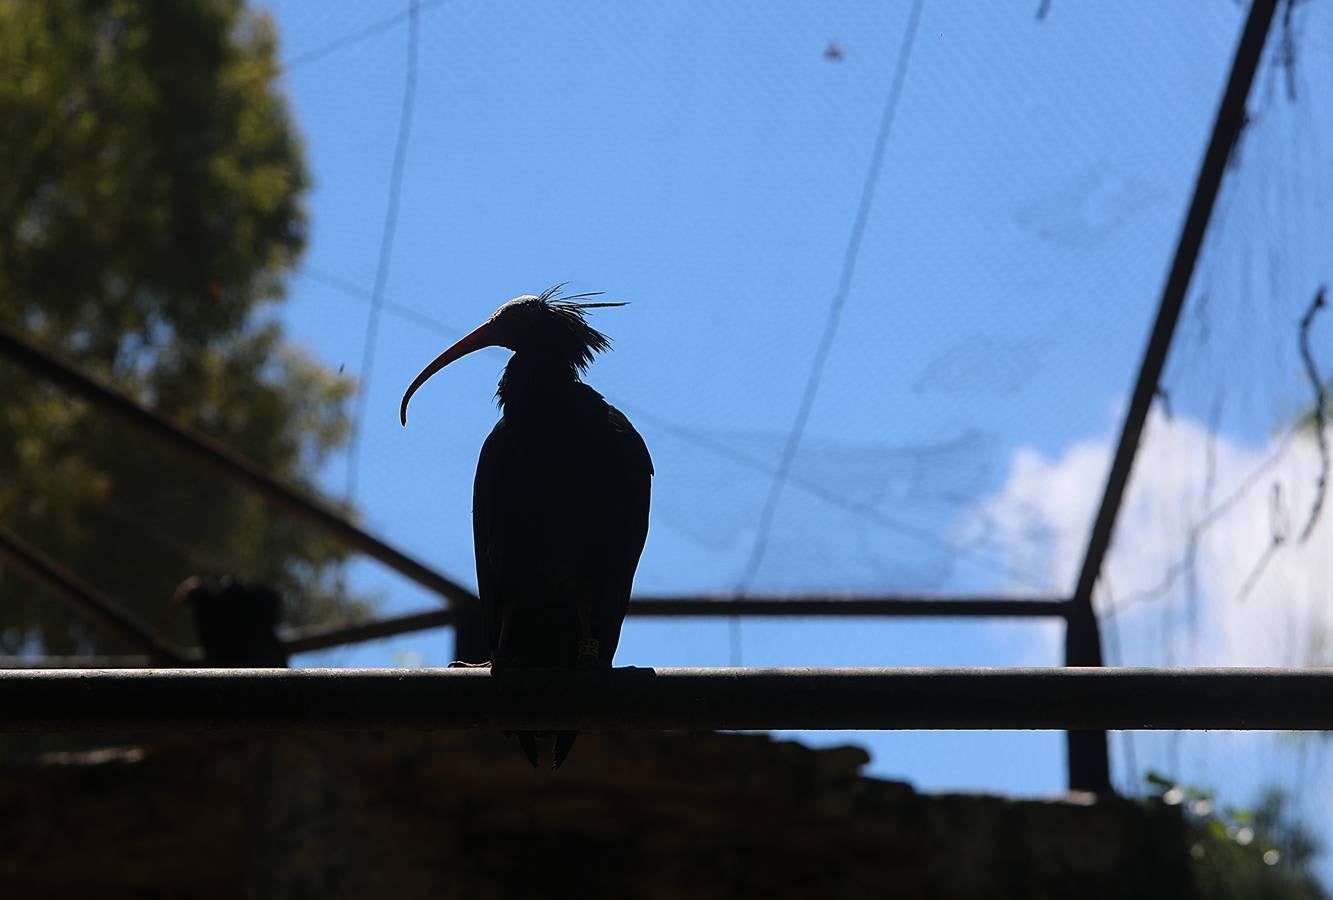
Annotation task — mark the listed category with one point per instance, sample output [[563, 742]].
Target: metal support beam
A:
[[323, 637], [804, 605], [1089, 765], [832, 605], [701, 607], [308, 639], [212, 455], [867, 699], [31, 564]]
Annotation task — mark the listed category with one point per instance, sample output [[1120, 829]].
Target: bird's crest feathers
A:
[[584, 341]]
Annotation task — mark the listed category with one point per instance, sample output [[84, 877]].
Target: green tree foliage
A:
[[1244, 853], [149, 209]]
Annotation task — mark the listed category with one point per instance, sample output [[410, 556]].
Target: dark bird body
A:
[[561, 497]]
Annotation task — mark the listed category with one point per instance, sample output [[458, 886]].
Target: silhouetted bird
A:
[[236, 622], [560, 502]]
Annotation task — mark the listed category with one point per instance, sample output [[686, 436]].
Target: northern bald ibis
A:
[[560, 501]]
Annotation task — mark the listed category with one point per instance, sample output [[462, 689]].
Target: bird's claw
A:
[[459, 664], [590, 652]]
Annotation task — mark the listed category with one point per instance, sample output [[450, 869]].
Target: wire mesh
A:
[[707, 163]]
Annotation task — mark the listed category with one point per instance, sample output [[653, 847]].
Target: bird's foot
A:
[[459, 664], [590, 652]]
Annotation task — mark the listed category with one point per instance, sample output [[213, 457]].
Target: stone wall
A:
[[444, 815]]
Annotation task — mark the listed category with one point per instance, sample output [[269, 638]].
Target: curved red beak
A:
[[483, 336]]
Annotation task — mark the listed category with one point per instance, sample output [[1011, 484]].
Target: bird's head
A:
[[549, 325]]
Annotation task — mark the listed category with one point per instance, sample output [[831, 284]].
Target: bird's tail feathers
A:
[[564, 742], [561, 742], [528, 741]]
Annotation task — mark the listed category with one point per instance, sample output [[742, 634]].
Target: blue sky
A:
[[705, 161]]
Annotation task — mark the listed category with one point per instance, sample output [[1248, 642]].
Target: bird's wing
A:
[[624, 528], [488, 523], [559, 522]]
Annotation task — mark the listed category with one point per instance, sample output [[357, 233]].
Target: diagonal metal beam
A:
[[212, 455], [1089, 765], [31, 564], [325, 637]]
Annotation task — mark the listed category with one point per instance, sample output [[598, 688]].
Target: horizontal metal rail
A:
[[799, 605], [648, 699], [324, 637], [848, 606], [821, 606]]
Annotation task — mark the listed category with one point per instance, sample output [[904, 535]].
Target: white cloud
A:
[[1229, 607]]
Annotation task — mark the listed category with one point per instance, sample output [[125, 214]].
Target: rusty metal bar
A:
[[868, 699], [31, 564], [1089, 765], [212, 455]]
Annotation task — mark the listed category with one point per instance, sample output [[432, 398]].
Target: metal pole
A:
[[117, 621], [689, 699], [209, 453], [309, 639], [818, 606], [1089, 764], [704, 607], [323, 637], [828, 605]]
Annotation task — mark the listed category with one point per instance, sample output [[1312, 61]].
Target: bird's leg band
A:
[[590, 649]]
